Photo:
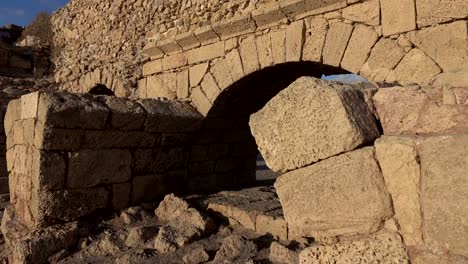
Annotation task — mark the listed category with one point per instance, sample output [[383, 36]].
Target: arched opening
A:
[[225, 155]]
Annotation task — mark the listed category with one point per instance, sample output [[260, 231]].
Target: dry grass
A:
[[41, 28]]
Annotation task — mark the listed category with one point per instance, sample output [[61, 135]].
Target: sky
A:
[[22, 12]]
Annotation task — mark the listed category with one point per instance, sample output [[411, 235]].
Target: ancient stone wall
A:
[[69, 156], [24, 61]]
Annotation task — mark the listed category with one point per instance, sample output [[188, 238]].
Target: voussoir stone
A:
[[331, 198], [311, 120]]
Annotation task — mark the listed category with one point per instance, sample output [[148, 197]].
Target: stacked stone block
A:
[[70, 155]]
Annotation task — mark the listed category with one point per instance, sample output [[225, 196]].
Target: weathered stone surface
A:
[[311, 210], [397, 16], [431, 13], [416, 67], [206, 35], [48, 138], [268, 15], [140, 235], [196, 256], [335, 44], [168, 46], [205, 53], [278, 46], [152, 67], [49, 170], [221, 73], [367, 12], [200, 101], [209, 85], [163, 85], [329, 117], [248, 53], [187, 40], [173, 61], [182, 90], [359, 47], [413, 110], [174, 116], [66, 110], [234, 64], [171, 207], [152, 51], [282, 254], [295, 40], [444, 165], [316, 31], [12, 114], [107, 139], [196, 73], [234, 27], [235, 248], [265, 54], [385, 55], [124, 114], [455, 95], [445, 44], [398, 159], [29, 104], [89, 168], [383, 248]]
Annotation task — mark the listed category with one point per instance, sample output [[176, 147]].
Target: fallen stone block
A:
[[235, 248], [312, 120], [342, 195]]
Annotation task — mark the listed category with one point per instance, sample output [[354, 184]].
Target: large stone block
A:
[[210, 86], [170, 116], [295, 40], [399, 161], [278, 46], [265, 54], [316, 32], [384, 248], [49, 138], [359, 47], [159, 160], [124, 114], [89, 168], [367, 12], [248, 53], [335, 44], [398, 16], [444, 167], [162, 85], [416, 67], [196, 73], [205, 53], [268, 15], [445, 44], [342, 195], [12, 114], [221, 73], [311, 120], [414, 110], [239, 25], [200, 101], [436, 12], [148, 188]]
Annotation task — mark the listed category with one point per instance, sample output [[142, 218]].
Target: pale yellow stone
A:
[[367, 12], [294, 41], [278, 46], [416, 67], [200, 101], [315, 39], [196, 73], [205, 53], [222, 75], [265, 54], [234, 64], [359, 47], [436, 12], [236, 26], [209, 87], [29, 104], [335, 44], [398, 16], [249, 55], [152, 67], [182, 84]]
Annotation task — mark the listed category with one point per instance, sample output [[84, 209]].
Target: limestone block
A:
[[292, 8], [430, 258], [384, 248], [278, 46], [206, 35], [248, 53], [221, 74], [168, 46], [315, 40], [282, 254], [451, 79], [455, 95], [161, 86], [89, 168], [152, 51], [170, 116], [236, 248], [359, 47], [234, 64], [29, 104], [335, 44], [152, 67], [147, 188], [268, 15], [12, 114], [124, 114], [105, 139], [24, 132], [67, 205], [397, 16], [321, 6], [431, 13], [295, 40], [444, 165], [49, 170], [121, 195], [234, 27], [416, 67], [209, 86], [411, 110], [398, 159], [173, 61], [187, 40], [66, 110], [196, 73], [344, 123], [367, 12], [230, 44], [48, 138], [385, 55], [205, 53], [265, 56], [182, 84], [159, 160], [277, 226], [445, 44], [311, 210], [200, 101]]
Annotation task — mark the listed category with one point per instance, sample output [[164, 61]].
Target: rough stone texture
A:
[[367, 12], [414, 110], [399, 161], [430, 12], [382, 248], [416, 67], [311, 210], [282, 254], [196, 256], [196, 73], [278, 46], [248, 53], [444, 165], [235, 249], [328, 118], [359, 47], [313, 45], [335, 44], [294, 41], [455, 95], [397, 16], [445, 44]]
